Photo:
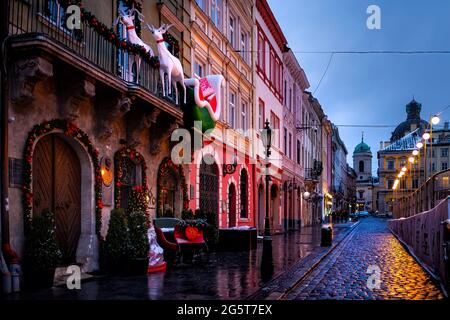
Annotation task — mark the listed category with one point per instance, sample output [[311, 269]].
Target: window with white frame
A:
[[232, 110], [244, 116], [244, 46], [232, 31], [199, 69], [261, 52], [216, 13], [290, 146], [261, 115]]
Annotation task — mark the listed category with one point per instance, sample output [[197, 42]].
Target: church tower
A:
[[362, 161]]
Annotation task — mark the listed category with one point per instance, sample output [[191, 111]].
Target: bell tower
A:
[[362, 161]]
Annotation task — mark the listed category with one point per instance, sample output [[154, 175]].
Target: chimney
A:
[[446, 125]]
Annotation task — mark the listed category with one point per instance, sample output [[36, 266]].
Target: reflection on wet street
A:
[[227, 275]]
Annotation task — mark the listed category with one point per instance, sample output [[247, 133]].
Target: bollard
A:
[[326, 236], [15, 277]]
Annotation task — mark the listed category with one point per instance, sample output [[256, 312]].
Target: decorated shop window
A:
[[172, 190], [130, 173]]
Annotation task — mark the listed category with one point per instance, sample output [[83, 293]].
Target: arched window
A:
[[209, 188], [244, 194], [361, 166]]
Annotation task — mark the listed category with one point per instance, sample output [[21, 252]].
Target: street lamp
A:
[[266, 137], [426, 136], [435, 120], [267, 266], [415, 153], [306, 195]]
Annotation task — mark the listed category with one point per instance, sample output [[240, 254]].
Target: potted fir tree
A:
[[116, 242], [138, 224], [42, 254], [138, 247]]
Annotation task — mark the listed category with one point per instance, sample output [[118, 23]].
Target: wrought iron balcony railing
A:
[[44, 19]]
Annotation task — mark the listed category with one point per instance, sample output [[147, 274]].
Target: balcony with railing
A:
[[42, 23], [313, 174]]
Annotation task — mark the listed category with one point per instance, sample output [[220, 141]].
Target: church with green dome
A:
[[362, 163]]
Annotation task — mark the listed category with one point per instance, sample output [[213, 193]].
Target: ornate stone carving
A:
[[78, 95], [27, 73], [157, 137], [111, 114], [139, 122]]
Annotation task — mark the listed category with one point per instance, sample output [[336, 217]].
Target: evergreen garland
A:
[[70, 130]]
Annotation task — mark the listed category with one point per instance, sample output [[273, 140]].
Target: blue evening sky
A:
[[371, 89]]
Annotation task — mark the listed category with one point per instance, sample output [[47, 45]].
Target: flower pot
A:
[[137, 267], [117, 267], [39, 279]]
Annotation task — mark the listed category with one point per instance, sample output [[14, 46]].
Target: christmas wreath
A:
[[136, 157], [69, 129]]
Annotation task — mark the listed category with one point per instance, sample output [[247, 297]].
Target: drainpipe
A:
[[4, 223]]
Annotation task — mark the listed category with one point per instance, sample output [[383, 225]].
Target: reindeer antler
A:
[[149, 27], [166, 26], [140, 16]]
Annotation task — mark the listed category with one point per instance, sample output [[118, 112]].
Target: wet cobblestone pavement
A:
[[342, 275], [227, 275]]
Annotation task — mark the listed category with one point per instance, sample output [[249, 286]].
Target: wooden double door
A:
[[57, 186]]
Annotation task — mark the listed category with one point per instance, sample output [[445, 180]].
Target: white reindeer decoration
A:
[[169, 64], [127, 19]]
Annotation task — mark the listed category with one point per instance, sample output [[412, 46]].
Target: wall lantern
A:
[[231, 168]]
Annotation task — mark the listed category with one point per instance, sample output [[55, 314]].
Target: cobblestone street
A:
[[227, 275], [343, 273]]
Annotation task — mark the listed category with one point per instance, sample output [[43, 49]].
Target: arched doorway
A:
[[286, 207], [57, 187], [274, 205], [172, 190], [244, 194], [169, 193], [209, 188], [231, 206], [130, 172], [261, 211]]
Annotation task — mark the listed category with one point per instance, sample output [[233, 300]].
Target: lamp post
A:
[[267, 259], [267, 141]]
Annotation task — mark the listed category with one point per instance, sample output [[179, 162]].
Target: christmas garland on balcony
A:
[[136, 157], [70, 130], [168, 165], [111, 36]]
